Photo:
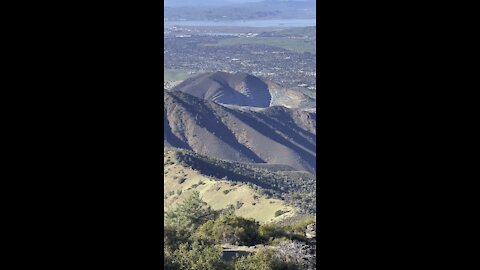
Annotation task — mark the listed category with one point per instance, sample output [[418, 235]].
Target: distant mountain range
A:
[[239, 10], [192, 3]]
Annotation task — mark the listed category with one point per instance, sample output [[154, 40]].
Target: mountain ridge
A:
[[275, 135], [242, 89]]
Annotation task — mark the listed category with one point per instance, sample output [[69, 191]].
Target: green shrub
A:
[[198, 257], [229, 229], [279, 213]]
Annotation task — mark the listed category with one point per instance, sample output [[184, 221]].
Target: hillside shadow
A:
[[218, 171], [270, 133], [170, 137], [297, 134], [208, 120]]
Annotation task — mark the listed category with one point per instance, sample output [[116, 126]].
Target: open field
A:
[[175, 75], [296, 31], [294, 45]]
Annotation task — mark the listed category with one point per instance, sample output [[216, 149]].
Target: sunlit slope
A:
[[182, 177]]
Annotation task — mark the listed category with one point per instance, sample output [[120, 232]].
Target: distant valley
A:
[[285, 56]]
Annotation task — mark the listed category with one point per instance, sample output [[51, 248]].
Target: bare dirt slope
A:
[[243, 89], [275, 135]]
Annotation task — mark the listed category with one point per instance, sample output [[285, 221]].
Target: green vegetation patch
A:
[[291, 44], [310, 31], [175, 75], [197, 237]]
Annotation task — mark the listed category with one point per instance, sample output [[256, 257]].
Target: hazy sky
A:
[[203, 2], [212, 2]]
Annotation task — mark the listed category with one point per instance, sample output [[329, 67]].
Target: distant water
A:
[[246, 23]]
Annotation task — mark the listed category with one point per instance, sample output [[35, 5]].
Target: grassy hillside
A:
[[180, 181], [258, 193]]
